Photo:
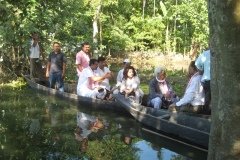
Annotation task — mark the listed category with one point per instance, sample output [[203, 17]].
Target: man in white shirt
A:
[[88, 81], [193, 99], [203, 64], [126, 63], [119, 80], [35, 52], [101, 71]]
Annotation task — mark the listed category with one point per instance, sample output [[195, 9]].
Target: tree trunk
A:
[[95, 26], [224, 21]]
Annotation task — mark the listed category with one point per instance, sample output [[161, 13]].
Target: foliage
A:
[[124, 26]]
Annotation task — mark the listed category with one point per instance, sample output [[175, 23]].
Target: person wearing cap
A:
[[126, 63], [83, 58], [161, 93], [115, 89], [203, 65]]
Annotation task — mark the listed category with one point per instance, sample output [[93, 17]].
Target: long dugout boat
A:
[[70, 95], [192, 128]]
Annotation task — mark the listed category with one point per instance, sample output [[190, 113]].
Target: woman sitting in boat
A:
[[130, 84], [161, 94], [193, 98], [88, 82]]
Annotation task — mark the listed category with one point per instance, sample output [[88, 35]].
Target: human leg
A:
[[156, 102], [52, 80], [60, 81], [207, 91]]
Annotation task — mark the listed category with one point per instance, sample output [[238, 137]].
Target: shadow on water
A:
[[35, 126]]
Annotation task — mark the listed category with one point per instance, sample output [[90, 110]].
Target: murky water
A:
[[37, 126]]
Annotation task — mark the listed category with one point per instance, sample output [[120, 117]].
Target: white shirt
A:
[[83, 81], [132, 83], [83, 122], [99, 72], [203, 64], [120, 77], [34, 51], [194, 93]]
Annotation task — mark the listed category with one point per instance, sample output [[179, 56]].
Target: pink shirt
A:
[[83, 59]]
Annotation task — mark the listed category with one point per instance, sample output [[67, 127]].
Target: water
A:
[[36, 126]]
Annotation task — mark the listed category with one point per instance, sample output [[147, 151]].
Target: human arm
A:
[[48, 69], [153, 92], [189, 93]]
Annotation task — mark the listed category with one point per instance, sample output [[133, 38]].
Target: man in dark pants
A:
[[56, 67], [203, 64]]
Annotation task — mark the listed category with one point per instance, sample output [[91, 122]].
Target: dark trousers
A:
[[207, 91], [56, 79]]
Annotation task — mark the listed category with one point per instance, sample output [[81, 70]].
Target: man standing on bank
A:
[[56, 67]]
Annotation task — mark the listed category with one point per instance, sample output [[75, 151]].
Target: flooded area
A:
[[34, 125]]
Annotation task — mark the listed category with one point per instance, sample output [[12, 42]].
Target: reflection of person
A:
[[203, 64], [83, 58], [86, 124], [35, 52], [193, 98], [127, 139], [161, 93], [56, 67]]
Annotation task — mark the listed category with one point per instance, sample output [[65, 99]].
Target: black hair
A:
[[125, 72], [192, 64], [101, 59], [92, 61], [84, 43], [56, 43]]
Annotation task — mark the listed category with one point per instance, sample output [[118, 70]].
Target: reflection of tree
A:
[[27, 131]]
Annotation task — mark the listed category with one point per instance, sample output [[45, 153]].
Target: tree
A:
[[224, 21]]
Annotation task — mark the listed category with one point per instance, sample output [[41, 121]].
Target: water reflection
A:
[[43, 127]]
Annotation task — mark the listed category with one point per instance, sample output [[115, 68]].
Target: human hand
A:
[[172, 105], [47, 74]]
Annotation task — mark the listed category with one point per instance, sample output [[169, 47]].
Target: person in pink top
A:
[[83, 58]]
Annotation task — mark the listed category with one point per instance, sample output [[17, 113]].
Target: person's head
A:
[[34, 35], [85, 46], [160, 73], [129, 72], [101, 62], [192, 68], [127, 139], [97, 125], [126, 63], [93, 63], [56, 47]]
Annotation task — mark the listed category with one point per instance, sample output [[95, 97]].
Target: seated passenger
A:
[[161, 94], [101, 71], [130, 84], [193, 98], [88, 82], [115, 89]]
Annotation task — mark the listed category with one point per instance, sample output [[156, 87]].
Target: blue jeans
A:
[[56, 81]]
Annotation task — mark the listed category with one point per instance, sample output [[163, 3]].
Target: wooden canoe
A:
[[192, 128], [70, 95]]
